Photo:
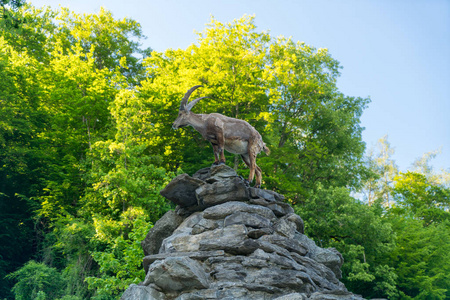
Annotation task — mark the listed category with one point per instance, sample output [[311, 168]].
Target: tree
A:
[[114, 44], [310, 127], [335, 219], [36, 280], [421, 258], [422, 166], [378, 185], [228, 60], [314, 129], [93, 142], [8, 18], [420, 218], [20, 157], [54, 108], [416, 196]]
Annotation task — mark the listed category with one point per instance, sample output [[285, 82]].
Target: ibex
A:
[[224, 133]]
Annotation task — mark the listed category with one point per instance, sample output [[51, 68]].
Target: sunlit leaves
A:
[[120, 263], [421, 199]]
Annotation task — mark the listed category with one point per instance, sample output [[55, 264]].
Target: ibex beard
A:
[[224, 133]]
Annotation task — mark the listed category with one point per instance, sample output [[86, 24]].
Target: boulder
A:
[[175, 274], [227, 240], [329, 257], [181, 190], [162, 229], [222, 191], [138, 292], [226, 209]]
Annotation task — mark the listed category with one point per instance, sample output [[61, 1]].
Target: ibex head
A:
[[224, 133], [185, 109]]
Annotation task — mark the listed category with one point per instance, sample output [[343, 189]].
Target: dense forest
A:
[[86, 145]]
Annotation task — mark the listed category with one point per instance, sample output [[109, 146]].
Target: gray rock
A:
[[334, 295], [255, 262], [285, 228], [242, 248], [189, 223], [280, 208], [271, 248], [137, 292], [232, 239], [175, 274], [259, 232], [319, 273], [199, 255], [297, 220], [181, 190], [221, 238], [293, 296], [270, 196], [205, 225], [234, 242], [259, 201], [184, 229], [288, 280], [232, 189], [247, 219], [289, 244], [162, 229], [220, 172], [274, 258], [229, 271], [329, 257], [202, 174], [223, 210]]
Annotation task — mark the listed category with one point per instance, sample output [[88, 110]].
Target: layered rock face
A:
[[226, 240]]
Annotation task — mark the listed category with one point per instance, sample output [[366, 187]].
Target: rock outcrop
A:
[[226, 240]]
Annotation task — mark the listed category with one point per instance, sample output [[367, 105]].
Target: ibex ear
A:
[[186, 97], [193, 102]]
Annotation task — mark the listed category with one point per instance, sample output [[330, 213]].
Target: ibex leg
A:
[[258, 176], [216, 153], [257, 170], [246, 160], [221, 145], [252, 167]]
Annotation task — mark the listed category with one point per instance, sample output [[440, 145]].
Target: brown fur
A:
[[225, 133]]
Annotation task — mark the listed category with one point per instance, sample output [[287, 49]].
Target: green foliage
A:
[[335, 219], [418, 214], [86, 145], [20, 119], [287, 91], [120, 259], [55, 97], [421, 221], [8, 17], [314, 129], [421, 259], [379, 183], [421, 199], [37, 281]]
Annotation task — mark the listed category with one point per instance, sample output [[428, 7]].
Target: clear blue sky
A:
[[395, 52]]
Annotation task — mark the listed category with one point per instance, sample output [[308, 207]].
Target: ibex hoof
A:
[[217, 163], [257, 186], [246, 182]]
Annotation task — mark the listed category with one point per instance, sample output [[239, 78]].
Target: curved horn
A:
[[193, 102], [187, 95]]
